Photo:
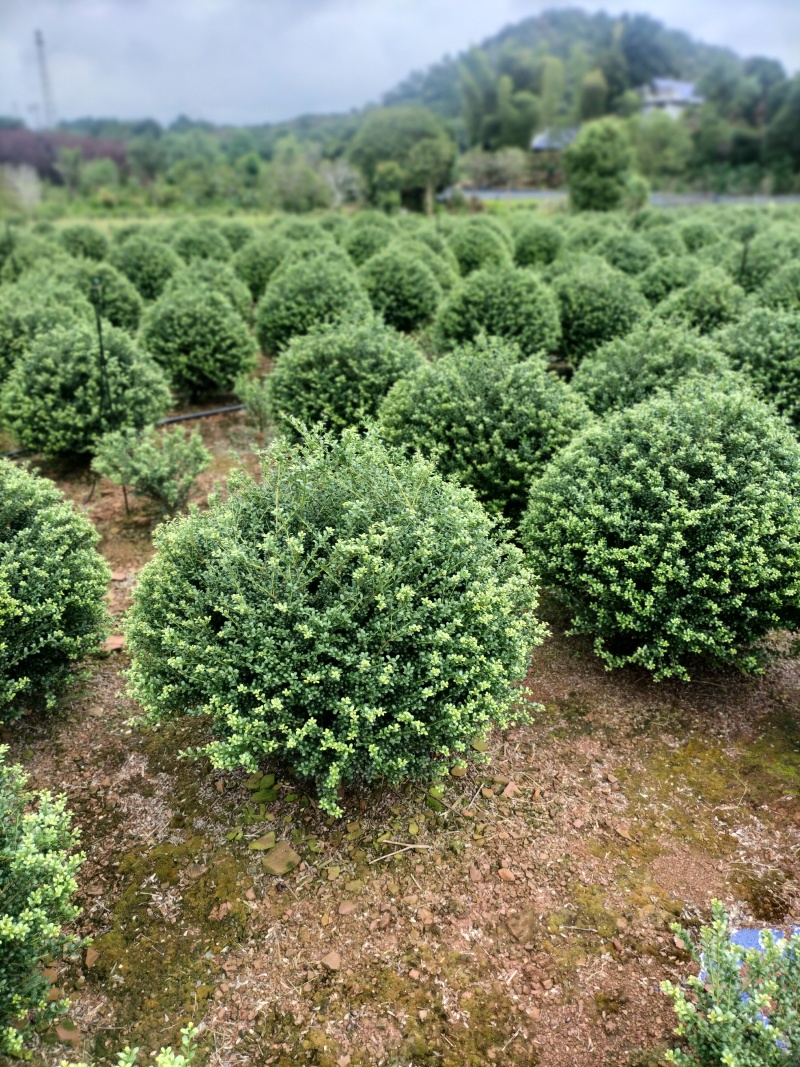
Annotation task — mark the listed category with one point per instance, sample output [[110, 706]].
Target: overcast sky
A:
[[251, 61]]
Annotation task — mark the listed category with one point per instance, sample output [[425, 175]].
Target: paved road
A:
[[656, 199]]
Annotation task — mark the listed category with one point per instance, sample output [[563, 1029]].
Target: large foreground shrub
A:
[[596, 305], [502, 302], [401, 288], [52, 589], [491, 421], [672, 530], [351, 614], [199, 339], [338, 375], [38, 866], [308, 293], [62, 395]]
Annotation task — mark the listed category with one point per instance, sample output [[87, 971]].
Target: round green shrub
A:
[[598, 165], [666, 275], [216, 276], [306, 294], [699, 233], [362, 242], [106, 288], [765, 343], [296, 230], [25, 313], [587, 231], [782, 289], [627, 252], [596, 305], [665, 240], [478, 246], [237, 233], [82, 239], [654, 355], [258, 260], [352, 614], [672, 530], [712, 300], [334, 223], [198, 240], [53, 584], [148, 263], [754, 262], [27, 253], [491, 421], [199, 339], [444, 268], [38, 866], [401, 288], [57, 400], [507, 302], [537, 244], [338, 375], [301, 251]]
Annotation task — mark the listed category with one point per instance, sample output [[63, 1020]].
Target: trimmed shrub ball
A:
[[198, 240], [782, 289], [53, 584], [766, 345], [654, 355], [666, 275], [237, 233], [476, 246], [511, 303], [699, 233], [148, 263], [338, 375], [199, 340], [105, 287], [537, 244], [712, 300], [596, 305], [258, 260], [82, 239], [665, 239], [444, 268], [308, 293], [351, 614], [55, 399], [753, 263], [217, 276], [672, 530], [29, 252], [491, 421], [627, 252], [25, 313], [401, 288], [362, 242]]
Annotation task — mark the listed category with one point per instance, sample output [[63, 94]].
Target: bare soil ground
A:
[[520, 918]]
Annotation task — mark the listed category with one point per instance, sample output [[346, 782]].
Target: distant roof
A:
[[554, 140], [669, 90]]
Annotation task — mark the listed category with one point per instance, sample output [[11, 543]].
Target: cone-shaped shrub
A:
[[38, 865], [52, 594], [308, 293], [59, 399], [198, 338], [258, 260], [537, 244], [502, 302], [477, 245], [596, 305], [401, 288], [351, 614], [766, 345], [491, 421], [655, 355], [147, 262], [713, 299], [672, 530], [84, 240], [338, 375]]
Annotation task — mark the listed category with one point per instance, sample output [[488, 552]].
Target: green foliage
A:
[[400, 136], [29, 251], [254, 394], [25, 313], [666, 275], [38, 866], [596, 305], [627, 252], [52, 589], [782, 289], [401, 288], [654, 355], [699, 233], [477, 245], [216, 276], [742, 1009], [597, 166], [58, 399], [199, 339], [537, 243], [162, 465], [766, 344], [237, 233], [148, 263], [443, 266], [338, 375], [306, 294], [106, 288], [362, 242], [672, 530], [505, 302], [665, 239], [712, 300], [256, 262], [198, 240], [165, 1057], [352, 614], [82, 239], [755, 261], [491, 421]]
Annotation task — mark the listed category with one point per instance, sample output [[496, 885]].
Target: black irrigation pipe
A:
[[17, 452]]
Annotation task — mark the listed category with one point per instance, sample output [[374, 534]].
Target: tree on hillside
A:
[[598, 166]]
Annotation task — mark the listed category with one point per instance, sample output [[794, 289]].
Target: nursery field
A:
[[487, 663]]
